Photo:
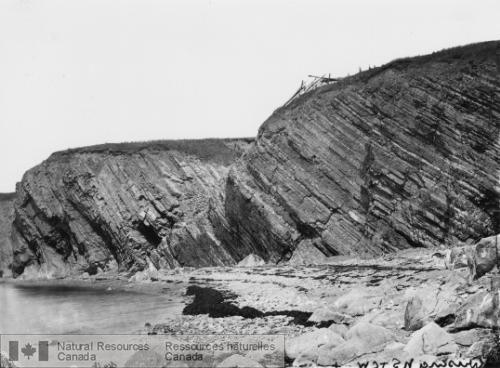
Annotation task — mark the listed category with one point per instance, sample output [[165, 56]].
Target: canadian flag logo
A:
[[29, 350]]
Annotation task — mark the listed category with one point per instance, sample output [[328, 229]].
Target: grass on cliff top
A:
[[475, 51], [7, 196], [219, 150], [459, 54]]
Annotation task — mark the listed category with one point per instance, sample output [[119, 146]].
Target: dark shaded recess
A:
[[448, 214], [445, 320], [408, 239], [106, 238], [216, 305], [92, 269], [365, 198], [18, 269], [368, 160], [490, 202], [60, 238], [306, 230], [149, 233], [493, 358], [325, 248], [479, 147]]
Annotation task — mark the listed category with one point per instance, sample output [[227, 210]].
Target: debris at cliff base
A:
[[264, 300]]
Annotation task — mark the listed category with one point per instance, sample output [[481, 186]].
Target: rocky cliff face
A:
[[405, 155], [128, 206], [6, 219]]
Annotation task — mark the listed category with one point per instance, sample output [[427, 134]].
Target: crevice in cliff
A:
[[149, 233], [306, 231], [490, 201]]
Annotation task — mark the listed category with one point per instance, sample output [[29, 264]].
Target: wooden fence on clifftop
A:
[[317, 81]]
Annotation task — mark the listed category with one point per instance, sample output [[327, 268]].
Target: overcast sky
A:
[[75, 73]]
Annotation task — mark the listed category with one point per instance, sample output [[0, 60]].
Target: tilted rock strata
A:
[[6, 218], [132, 206], [405, 155]]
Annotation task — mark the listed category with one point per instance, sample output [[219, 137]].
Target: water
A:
[[64, 307]]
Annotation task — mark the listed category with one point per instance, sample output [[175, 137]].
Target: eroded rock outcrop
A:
[[405, 155], [6, 219], [130, 206]]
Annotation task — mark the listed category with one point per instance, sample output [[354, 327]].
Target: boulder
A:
[[361, 339], [416, 314], [326, 314], [431, 302], [372, 335], [431, 340], [458, 257], [310, 342], [394, 347], [481, 309], [341, 354], [306, 360], [390, 318], [357, 302], [238, 361], [252, 260], [486, 255], [486, 349], [146, 358], [148, 274], [480, 258], [338, 328], [467, 338]]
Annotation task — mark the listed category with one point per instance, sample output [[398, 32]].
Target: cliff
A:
[[405, 155], [125, 206], [6, 219]]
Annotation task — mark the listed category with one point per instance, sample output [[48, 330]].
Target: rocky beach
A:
[[403, 307], [394, 308]]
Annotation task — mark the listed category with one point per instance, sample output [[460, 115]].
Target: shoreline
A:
[[329, 298]]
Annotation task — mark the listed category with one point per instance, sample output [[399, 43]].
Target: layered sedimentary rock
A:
[[127, 205], [6, 219], [405, 155]]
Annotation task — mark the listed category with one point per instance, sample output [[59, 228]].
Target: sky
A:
[[82, 72]]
